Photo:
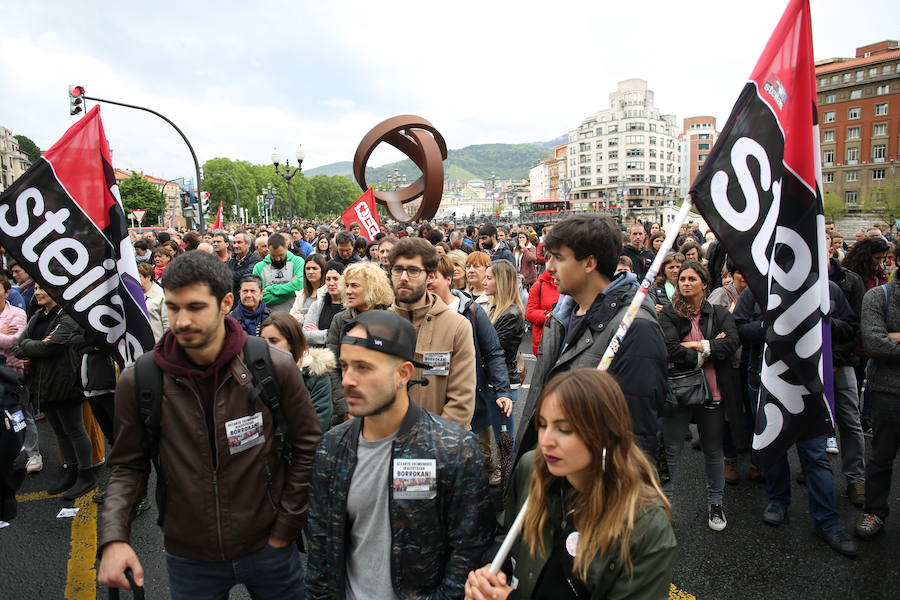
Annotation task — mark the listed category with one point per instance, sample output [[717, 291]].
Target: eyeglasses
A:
[[398, 271]]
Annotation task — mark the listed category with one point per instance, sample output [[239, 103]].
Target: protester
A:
[[506, 313], [641, 257], [23, 281], [458, 258], [314, 287], [476, 265], [322, 311], [250, 310], [691, 250], [219, 241], [444, 338], [384, 252], [344, 249], [666, 283], [583, 254], [363, 287], [242, 260], [399, 502], [162, 256], [525, 260], [597, 524], [700, 336], [316, 364], [323, 247], [542, 297], [489, 242], [656, 242], [300, 247], [48, 344], [281, 273], [881, 338], [262, 247], [258, 497], [12, 325]]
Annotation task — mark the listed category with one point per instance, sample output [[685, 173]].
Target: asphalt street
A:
[[48, 558]]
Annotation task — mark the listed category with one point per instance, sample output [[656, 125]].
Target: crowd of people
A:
[[396, 364]]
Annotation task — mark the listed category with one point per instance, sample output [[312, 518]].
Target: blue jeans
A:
[[819, 483], [269, 573]]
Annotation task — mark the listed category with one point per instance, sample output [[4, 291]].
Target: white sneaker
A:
[[831, 446], [35, 463], [717, 520]]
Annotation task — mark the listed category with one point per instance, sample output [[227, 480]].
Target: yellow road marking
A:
[[676, 594], [81, 576], [36, 496]]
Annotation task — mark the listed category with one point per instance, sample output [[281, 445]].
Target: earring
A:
[[603, 461]]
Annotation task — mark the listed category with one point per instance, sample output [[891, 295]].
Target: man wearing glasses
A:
[[444, 338]]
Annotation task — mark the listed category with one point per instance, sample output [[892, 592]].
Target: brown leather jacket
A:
[[213, 514]]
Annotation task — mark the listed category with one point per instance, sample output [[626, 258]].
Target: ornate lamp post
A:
[[288, 173], [269, 192]]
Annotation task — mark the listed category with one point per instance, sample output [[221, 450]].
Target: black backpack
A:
[[266, 389]]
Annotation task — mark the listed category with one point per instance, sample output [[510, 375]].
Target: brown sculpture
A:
[[424, 145]]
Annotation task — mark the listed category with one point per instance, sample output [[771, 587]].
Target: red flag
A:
[[219, 221], [363, 212], [63, 221], [760, 191]]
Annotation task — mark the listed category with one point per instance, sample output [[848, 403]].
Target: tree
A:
[[835, 208], [139, 194], [28, 148]]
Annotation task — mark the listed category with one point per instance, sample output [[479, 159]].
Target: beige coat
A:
[[439, 330]]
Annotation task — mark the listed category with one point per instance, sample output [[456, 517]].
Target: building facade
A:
[[698, 137], [859, 121], [628, 155], [13, 163]]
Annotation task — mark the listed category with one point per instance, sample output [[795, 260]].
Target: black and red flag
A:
[[760, 191], [63, 221]]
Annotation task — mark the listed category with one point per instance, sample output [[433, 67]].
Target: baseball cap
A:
[[388, 333]]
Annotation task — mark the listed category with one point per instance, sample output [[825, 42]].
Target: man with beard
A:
[[399, 501], [641, 257], [444, 337], [345, 255], [281, 273], [487, 239], [229, 506]]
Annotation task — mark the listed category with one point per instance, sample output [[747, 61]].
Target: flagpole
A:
[[608, 356]]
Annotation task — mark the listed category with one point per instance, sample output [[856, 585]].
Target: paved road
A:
[[44, 558]]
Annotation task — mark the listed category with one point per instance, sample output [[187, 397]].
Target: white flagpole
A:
[[608, 356]]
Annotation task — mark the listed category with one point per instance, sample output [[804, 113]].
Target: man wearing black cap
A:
[[399, 502]]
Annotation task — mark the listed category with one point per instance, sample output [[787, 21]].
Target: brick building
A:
[[859, 120], [699, 136]]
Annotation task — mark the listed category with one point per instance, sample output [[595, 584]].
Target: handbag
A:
[[691, 388]]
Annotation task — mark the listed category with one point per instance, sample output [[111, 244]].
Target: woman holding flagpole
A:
[[597, 523]]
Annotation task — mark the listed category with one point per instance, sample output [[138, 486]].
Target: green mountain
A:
[[480, 161]]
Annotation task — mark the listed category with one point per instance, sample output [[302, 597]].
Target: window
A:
[[634, 152], [613, 154], [652, 153], [830, 98], [886, 69], [598, 131], [614, 179], [703, 147], [823, 81], [847, 77], [853, 133], [653, 179], [879, 152], [850, 196], [613, 128], [852, 156], [856, 94], [704, 136], [873, 71], [828, 177], [881, 109], [828, 135], [852, 176], [635, 127], [634, 139], [599, 168], [829, 116], [834, 79], [612, 142], [652, 126], [828, 157], [652, 166], [585, 171], [879, 129], [599, 156], [599, 182], [632, 165], [853, 113], [584, 146], [614, 166], [878, 174], [859, 75], [584, 182], [882, 90], [652, 140]]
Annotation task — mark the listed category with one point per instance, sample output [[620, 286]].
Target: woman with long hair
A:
[[700, 336], [313, 286], [501, 285], [323, 247], [458, 258], [866, 258], [322, 311], [316, 364], [656, 241], [691, 250], [597, 524], [525, 257], [666, 282], [476, 265]]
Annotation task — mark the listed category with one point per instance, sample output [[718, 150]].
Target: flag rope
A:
[[607, 359]]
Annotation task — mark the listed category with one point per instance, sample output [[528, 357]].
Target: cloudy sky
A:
[[241, 78]]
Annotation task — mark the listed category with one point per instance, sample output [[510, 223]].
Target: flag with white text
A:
[[760, 191], [363, 212], [63, 221]]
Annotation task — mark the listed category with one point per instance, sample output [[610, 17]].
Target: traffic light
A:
[[185, 200], [204, 203], [76, 94]]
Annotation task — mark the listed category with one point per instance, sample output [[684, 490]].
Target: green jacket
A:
[[279, 293], [653, 549], [317, 365]]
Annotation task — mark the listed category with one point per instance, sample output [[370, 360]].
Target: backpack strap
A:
[[266, 387], [887, 297], [148, 385]]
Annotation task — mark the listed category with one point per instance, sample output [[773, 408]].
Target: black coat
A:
[[676, 328], [510, 328], [55, 364]]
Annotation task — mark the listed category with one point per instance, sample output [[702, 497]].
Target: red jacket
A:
[[541, 299]]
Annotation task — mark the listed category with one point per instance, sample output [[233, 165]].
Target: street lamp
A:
[[288, 174], [269, 192]]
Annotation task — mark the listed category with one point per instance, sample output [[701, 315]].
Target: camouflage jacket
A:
[[434, 543]]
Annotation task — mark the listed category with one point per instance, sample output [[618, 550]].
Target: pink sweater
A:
[[15, 318]]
